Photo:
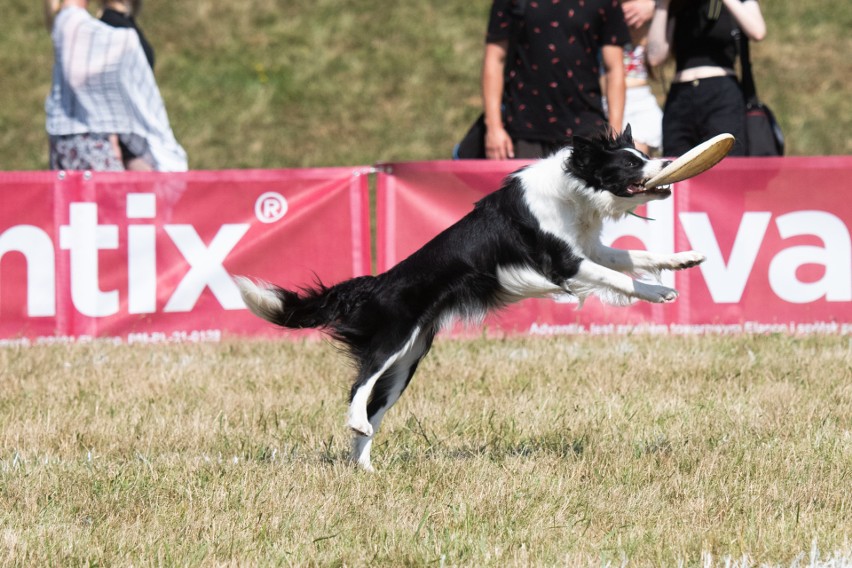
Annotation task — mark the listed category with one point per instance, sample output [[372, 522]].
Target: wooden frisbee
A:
[[699, 159]]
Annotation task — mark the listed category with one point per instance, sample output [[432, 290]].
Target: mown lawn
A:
[[560, 451]]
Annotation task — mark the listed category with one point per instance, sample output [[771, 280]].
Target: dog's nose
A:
[[666, 163]]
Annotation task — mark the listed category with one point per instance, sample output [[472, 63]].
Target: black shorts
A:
[[699, 110]]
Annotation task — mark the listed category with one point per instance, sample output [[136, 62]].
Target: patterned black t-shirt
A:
[[552, 88]]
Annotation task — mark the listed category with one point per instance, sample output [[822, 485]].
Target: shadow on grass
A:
[[552, 444]]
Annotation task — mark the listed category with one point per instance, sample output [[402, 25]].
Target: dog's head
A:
[[611, 163]]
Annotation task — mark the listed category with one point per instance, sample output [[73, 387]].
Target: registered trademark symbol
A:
[[270, 207]]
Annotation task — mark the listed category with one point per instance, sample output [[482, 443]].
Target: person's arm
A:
[[660, 34], [748, 17], [51, 7], [616, 85], [498, 143]]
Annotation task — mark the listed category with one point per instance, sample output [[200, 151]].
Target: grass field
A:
[[647, 450], [302, 83], [650, 451]]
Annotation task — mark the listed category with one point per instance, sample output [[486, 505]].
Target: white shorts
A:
[[644, 116]]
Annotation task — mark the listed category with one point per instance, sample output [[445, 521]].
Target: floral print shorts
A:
[[90, 151]]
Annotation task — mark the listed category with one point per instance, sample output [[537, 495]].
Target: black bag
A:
[[763, 133], [472, 146]]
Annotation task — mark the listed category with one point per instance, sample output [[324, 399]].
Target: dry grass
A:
[[503, 452]]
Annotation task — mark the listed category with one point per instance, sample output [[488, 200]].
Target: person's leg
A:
[[679, 132], [724, 111], [645, 118]]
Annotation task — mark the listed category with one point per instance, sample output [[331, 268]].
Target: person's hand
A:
[[637, 13], [498, 144]]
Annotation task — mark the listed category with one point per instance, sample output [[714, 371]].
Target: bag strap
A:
[[749, 88]]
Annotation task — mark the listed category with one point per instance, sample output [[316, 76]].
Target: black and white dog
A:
[[536, 236]]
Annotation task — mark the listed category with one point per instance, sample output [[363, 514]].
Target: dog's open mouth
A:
[[638, 187]]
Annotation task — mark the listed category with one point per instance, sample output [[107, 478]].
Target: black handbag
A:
[[472, 146], [763, 133]]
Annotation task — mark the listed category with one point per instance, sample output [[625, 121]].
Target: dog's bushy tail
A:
[[312, 308]]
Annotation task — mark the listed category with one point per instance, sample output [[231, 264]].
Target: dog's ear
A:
[[582, 154], [587, 154], [580, 141], [627, 135]]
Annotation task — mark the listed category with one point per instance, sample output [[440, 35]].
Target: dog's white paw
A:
[[686, 259], [360, 425], [655, 294]]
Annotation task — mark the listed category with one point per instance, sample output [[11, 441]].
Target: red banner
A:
[[148, 257], [775, 232]]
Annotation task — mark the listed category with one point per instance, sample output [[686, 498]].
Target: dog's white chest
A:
[[519, 282]]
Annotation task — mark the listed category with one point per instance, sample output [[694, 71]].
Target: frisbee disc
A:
[[699, 159]]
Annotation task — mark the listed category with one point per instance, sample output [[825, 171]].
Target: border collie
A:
[[537, 236]]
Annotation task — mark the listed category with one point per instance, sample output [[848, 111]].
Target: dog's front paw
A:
[[655, 294], [687, 259]]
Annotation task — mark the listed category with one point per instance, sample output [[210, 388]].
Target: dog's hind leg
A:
[[385, 392], [362, 390]]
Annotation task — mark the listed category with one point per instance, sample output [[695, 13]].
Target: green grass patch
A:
[[262, 84]]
